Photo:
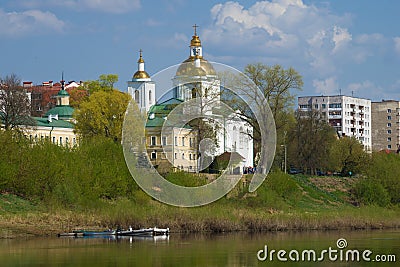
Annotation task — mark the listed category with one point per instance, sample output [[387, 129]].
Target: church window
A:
[[241, 137], [137, 96], [60, 140], [176, 140], [153, 141], [150, 96]]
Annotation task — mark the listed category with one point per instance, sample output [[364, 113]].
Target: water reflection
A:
[[238, 249]]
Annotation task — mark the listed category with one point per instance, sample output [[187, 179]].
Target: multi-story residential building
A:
[[385, 125], [350, 116]]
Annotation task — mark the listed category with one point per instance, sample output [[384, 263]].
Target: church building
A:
[[195, 79]]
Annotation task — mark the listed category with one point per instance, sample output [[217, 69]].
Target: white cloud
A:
[[106, 6], [341, 37], [29, 22], [397, 44], [308, 35], [328, 86]]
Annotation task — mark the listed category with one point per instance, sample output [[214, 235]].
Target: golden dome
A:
[[195, 41], [188, 68], [141, 75]]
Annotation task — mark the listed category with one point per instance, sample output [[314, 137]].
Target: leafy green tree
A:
[[104, 83], [310, 141], [102, 114], [347, 155], [384, 169]]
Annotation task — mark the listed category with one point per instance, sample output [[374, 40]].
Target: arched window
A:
[[241, 137], [150, 96], [137, 96]]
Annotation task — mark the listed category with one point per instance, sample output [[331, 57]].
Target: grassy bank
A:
[[313, 204]]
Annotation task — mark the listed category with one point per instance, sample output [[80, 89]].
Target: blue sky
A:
[[349, 45]]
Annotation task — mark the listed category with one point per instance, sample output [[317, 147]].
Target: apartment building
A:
[[385, 125], [350, 116]]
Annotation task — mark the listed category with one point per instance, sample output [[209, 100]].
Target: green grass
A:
[[11, 204]]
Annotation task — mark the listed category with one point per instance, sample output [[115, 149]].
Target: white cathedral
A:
[[194, 78]]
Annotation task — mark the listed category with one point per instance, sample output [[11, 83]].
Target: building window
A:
[[137, 96], [389, 139], [316, 106], [389, 110], [153, 140], [60, 140], [176, 155], [194, 93], [335, 105], [190, 156], [304, 106], [154, 155], [74, 141], [323, 105], [183, 141], [183, 155], [389, 117], [66, 140], [150, 97], [164, 140], [389, 131], [389, 125], [176, 140], [389, 146]]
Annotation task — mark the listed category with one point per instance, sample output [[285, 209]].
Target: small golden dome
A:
[[195, 41], [141, 75]]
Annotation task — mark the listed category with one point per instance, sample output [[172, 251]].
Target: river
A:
[[360, 248]]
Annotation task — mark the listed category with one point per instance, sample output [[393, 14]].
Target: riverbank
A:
[[50, 224], [303, 203]]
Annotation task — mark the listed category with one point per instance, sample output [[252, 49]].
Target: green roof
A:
[[43, 122], [161, 111], [61, 111], [62, 92], [165, 107]]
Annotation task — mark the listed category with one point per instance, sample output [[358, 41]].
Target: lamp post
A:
[[284, 146]]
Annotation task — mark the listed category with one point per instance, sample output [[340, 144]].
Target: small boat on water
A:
[[144, 232], [95, 233], [130, 232]]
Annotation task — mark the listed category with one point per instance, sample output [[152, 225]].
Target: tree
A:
[[347, 155], [310, 141], [77, 96], [276, 85], [104, 83], [14, 104], [102, 114]]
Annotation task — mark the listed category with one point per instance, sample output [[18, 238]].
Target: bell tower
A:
[[141, 87]]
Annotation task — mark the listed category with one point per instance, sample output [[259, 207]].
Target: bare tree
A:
[[14, 104]]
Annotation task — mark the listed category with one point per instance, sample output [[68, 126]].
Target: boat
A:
[[144, 232], [130, 232], [92, 233]]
